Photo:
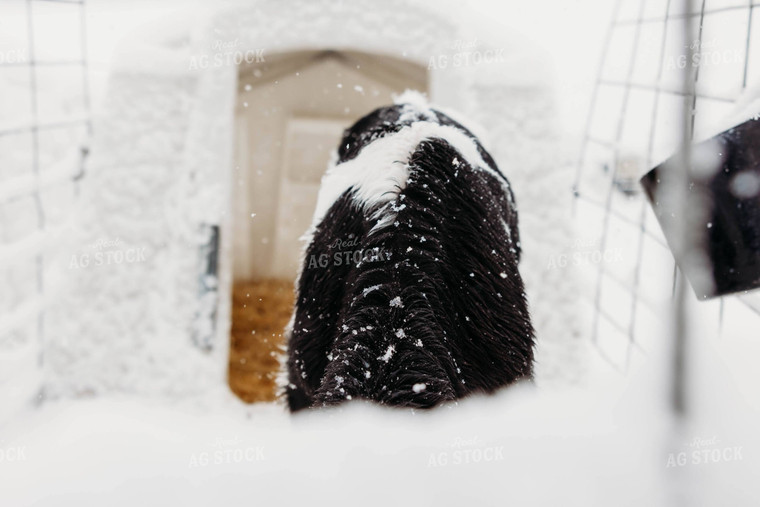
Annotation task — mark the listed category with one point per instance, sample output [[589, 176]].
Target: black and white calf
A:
[[409, 292]]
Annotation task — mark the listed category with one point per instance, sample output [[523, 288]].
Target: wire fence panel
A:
[[44, 127], [634, 123]]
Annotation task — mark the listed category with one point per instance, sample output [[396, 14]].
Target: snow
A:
[[370, 289], [388, 353], [591, 450]]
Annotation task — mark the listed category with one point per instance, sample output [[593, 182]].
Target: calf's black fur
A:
[[432, 308]]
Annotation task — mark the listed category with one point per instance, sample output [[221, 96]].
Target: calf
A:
[[409, 292]]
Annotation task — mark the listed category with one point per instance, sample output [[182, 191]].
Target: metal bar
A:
[[31, 184], [650, 151], [42, 63], [693, 112], [680, 372], [36, 171], [685, 15], [85, 65], [747, 46], [610, 192], [61, 1], [592, 106], [617, 325], [85, 89], [623, 218], [48, 126], [675, 279], [657, 88]]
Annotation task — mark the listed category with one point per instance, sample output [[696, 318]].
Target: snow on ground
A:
[[484, 452], [521, 447]]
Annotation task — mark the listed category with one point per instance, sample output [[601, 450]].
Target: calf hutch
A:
[[202, 173]]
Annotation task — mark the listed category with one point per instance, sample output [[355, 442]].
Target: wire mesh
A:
[[44, 125], [634, 123]]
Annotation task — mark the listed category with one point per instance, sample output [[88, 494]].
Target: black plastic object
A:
[[717, 241]]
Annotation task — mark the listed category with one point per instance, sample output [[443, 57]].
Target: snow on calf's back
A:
[[398, 330]]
